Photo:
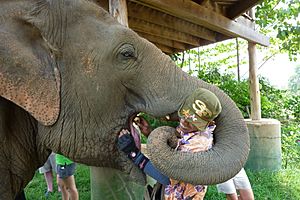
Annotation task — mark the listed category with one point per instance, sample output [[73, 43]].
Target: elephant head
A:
[[71, 77]]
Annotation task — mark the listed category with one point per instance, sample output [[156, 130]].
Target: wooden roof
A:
[[178, 25]]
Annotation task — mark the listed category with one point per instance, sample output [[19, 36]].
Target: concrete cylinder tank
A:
[[265, 145]]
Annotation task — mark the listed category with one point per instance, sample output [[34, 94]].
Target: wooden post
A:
[[253, 80], [254, 84], [118, 9], [238, 59], [265, 134]]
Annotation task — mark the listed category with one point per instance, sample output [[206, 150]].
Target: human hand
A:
[[126, 142]]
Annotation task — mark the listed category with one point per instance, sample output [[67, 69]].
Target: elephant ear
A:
[[28, 73]]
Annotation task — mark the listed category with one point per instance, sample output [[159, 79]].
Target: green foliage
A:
[[292, 104], [290, 149], [281, 17], [238, 91], [272, 100], [212, 56], [294, 81]]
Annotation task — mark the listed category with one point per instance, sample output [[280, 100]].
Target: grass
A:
[[281, 185], [36, 189]]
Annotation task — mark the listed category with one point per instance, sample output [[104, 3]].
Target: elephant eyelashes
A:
[[126, 52]]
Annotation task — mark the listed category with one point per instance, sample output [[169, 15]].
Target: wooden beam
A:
[[153, 29], [246, 21], [166, 50], [190, 11], [166, 42], [239, 8], [118, 9], [226, 1], [198, 1], [219, 38], [165, 20]]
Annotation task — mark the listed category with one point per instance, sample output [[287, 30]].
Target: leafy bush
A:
[[238, 91], [292, 104]]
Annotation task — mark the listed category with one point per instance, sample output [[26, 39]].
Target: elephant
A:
[[71, 77]]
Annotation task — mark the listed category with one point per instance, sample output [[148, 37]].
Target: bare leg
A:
[[58, 187], [63, 188], [233, 196], [246, 194], [71, 185], [49, 180]]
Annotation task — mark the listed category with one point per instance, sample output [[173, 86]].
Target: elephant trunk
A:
[[227, 156], [162, 85]]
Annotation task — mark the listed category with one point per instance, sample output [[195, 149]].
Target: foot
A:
[[47, 194]]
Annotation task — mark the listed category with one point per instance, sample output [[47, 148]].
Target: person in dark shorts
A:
[[65, 171]]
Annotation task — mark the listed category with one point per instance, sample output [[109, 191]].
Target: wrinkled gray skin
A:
[[71, 76]]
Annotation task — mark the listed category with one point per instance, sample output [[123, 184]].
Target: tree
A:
[[294, 81], [281, 17]]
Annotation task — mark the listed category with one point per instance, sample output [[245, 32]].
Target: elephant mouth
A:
[[134, 131]]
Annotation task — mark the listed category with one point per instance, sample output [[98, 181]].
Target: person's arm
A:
[[127, 145]]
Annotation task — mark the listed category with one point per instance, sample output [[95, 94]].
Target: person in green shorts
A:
[[65, 171]]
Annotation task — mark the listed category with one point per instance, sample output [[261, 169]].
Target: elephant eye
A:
[[126, 52]]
